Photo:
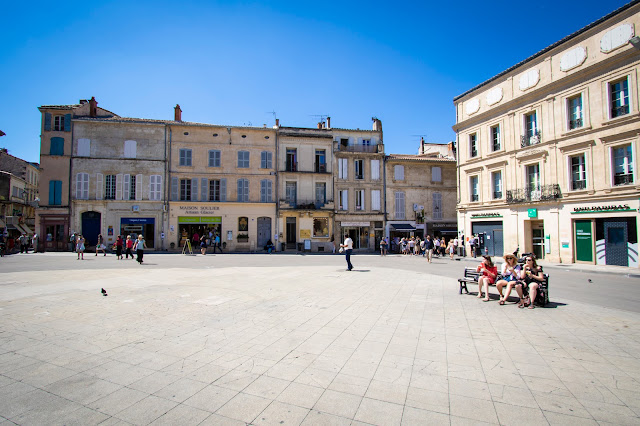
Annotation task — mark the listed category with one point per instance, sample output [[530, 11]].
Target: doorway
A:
[[91, 227], [264, 231], [615, 237], [537, 239], [291, 232]]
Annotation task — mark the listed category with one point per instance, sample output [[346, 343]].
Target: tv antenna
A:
[[322, 117], [274, 115]]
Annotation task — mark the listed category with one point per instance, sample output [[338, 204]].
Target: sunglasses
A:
[[529, 260]]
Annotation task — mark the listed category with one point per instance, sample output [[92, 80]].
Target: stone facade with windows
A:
[[556, 141]]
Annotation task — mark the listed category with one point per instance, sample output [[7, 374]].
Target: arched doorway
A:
[[91, 227], [264, 231]]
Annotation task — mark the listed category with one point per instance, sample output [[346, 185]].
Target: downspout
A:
[[164, 204], [277, 200], [167, 190], [70, 175]]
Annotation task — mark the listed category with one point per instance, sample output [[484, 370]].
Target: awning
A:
[[403, 227], [26, 228]]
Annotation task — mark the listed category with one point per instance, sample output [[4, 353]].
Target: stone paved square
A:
[[258, 339]]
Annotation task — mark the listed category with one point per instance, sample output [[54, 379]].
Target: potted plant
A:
[[243, 238]]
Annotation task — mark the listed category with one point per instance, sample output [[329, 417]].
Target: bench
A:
[[542, 297], [471, 277]]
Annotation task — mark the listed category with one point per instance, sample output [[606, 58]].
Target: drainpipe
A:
[[277, 189], [167, 182], [70, 175], [164, 227]]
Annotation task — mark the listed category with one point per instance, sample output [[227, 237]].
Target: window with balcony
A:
[[266, 160], [359, 199], [622, 165], [321, 161], [291, 160], [531, 133], [185, 157], [343, 168], [619, 98], [359, 167], [110, 187], [243, 190], [474, 189], [496, 182], [400, 205], [473, 145], [578, 172], [185, 189], [321, 194], [290, 193], [533, 181], [344, 200], [243, 159], [574, 105], [214, 158], [496, 138]]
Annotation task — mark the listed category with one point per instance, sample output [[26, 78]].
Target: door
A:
[[291, 232], [264, 231], [537, 239], [91, 227], [615, 243], [493, 239], [584, 241]]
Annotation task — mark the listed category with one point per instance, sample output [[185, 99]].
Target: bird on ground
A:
[[104, 292]]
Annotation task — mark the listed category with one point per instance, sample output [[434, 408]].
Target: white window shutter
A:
[[204, 189], [194, 189], [375, 199], [138, 187], [78, 186], [152, 187], [345, 199], [126, 190], [119, 186], [375, 169], [84, 147], [175, 189], [130, 149], [99, 186], [85, 186], [159, 188], [345, 169]]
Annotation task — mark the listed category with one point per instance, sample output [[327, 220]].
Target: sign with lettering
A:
[[305, 233], [598, 209], [199, 219], [481, 215], [198, 210]]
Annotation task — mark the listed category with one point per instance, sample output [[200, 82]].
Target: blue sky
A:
[[231, 62]]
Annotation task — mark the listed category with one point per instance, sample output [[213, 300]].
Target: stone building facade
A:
[[548, 148], [25, 192]]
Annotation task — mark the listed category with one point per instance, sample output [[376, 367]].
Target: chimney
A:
[[328, 122], [277, 122], [319, 125], [421, 145], [178, 113], [93, 109], [377, 124]]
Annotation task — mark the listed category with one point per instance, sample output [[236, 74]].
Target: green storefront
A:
[[188, 226]]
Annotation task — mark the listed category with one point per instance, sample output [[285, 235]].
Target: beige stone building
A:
[[547, 149], [421, 193], [358, 161], [22, 188], [305, 188]]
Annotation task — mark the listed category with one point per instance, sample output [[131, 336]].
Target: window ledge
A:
[[497, 153], [576, 192], [626, 117], [575, 132]]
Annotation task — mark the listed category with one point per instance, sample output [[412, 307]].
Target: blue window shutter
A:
[[56, 146], [58, 200], [52, 192], [239, 190], [194, 189], [203, 190], [174, 189], [223, 189], [47, 122], [67, 122]]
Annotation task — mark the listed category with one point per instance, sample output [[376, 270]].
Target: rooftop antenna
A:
[[274, 115], [321, 116]]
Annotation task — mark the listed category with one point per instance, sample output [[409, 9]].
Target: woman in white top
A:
[[348, 248]]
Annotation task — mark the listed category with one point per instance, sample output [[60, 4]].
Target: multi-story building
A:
[[305, 188], [547, 149], [29, 173], [421, 193], [358, 160]]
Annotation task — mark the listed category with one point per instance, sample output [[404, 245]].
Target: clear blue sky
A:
[[230, 62]]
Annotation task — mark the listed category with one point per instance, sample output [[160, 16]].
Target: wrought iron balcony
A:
[[475, 197], [305, 204], [291, 166], [623, 179], [320, 167], [575, 124], [528, 140], [358, 148], [497, 195], [533, 194]]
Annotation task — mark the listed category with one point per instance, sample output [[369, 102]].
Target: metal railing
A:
[[320, 167], [530, 194], [358, 148], [291, 166], [528, 140], [497, 195], [578, 184], [625, 179], [304, 204]]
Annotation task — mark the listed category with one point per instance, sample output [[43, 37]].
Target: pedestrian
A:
[[472, 245], [203, 246], [196, 239], [80, 247], [436, 246], [383, 246], [100, 245], [24, 245], [72, 242], [34, 242], [428, 247], [217, 244], [139, 248], [348, 248], [119, 244], [451, 248], [129, 247]]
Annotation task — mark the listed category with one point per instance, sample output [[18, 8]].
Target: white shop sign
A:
[[345, 224]]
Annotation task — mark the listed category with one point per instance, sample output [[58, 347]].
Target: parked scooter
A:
[[524, 255]]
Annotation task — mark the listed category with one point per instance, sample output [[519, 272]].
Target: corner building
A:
[[547, 149]]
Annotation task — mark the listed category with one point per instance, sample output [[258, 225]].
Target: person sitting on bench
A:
[[510, 275], [269, 246], [489, 274], [531, 275]]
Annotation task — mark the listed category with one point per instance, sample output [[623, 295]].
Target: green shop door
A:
[[584, 241]]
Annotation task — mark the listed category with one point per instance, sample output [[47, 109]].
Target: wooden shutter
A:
[[126, 190], [375, 199], [78, 186], [67, 122], [204, 186], [139, 188], [223, 189], [58, 193], [175, 189], [375, 169], [85, 186], [194, 189], [119, 187], [47, 122], [52, 192], [99, 186]]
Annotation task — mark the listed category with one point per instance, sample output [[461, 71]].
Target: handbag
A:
[[341, 250]]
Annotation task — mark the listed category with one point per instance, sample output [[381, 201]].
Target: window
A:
[[321, 194], [57, 146], [533, 177], [375, 199], [473, 145], [290, 193], [155, 187], [531, 133], [130, 149], [291, 160], [243, 190], [398, 172], [375, 169], [17, 192], [185, 189], [343, 168], [496, 182], [131, 186], [359, 169], [574, 105], [437, 205], [110, 187], [266, 160], [366, 142], [344, 200], [265, 191], [619, 98], [496, 141], [82, 186], [243, 159], [185, 157], [214, 190], [320, 227], [622, 165], [578, 172], [84, 147], [55, 192], [58, 122], [243, 224], [400, 208], [321, 161], [436, 174], [474, 190], [214, 158], [359, 199]]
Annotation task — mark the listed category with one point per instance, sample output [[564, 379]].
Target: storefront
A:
[[439, 229], [134, 226], [55, 232], [359, 232], [188, 226], [489, 232]]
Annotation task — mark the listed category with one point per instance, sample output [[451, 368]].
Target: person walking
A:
[[119, 244], [383, 246], [348, 248], [139, 248], [472, 245], [428, 248], [100, 245], [129, 246], [217, 244], [72, 242], [34, 242], [80, 247]]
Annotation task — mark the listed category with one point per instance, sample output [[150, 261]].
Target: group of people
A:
[[428, 247], [207, 240], [26, 242], [524, 278], [129, 245]]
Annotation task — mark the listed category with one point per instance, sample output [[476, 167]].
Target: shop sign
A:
[[532, 212], [443, 225], [138, 220], [199, 219], [305, 233], [482, 215], [201, 210], [600, 209], [355, 224]]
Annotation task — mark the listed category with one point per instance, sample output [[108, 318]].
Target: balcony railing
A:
[[358, 148], [497, 195], [291, 166], [320, 167], [625, 179], [528, 140], [475, 197], [305, 204], [531, 194]]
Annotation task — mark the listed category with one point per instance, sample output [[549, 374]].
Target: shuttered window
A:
[[343, 168], [400, 208], [155, 187], [214, 158], [57, 146], [185, 157], [375, 169], [437, 205], [82, 186], [375, 199], [266, 160], [55, 192], [398, 172], [130, 148], [265, 191], [436, 174], [84, 147], [243, 190]]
